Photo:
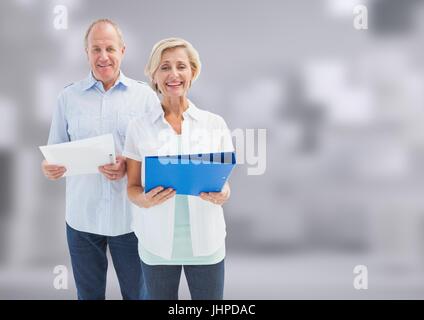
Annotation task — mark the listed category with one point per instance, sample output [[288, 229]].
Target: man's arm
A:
[[58, 134]]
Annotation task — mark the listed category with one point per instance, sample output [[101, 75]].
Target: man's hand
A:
[[218, 198], [115, 171], [52, 171], [154, 197]]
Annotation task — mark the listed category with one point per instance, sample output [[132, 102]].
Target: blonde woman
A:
[[177, 232]]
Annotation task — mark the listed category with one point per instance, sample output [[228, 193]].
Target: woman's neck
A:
[[174, 107]]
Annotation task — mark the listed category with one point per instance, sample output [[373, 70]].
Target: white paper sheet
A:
[[81, 156]]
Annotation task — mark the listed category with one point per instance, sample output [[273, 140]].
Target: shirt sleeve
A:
[[59, 126], [152, 100], [130, 148]]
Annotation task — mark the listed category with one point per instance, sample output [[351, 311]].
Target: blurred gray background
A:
[[343, 109]]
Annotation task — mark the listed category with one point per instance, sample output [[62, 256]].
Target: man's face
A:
[[105, 53]]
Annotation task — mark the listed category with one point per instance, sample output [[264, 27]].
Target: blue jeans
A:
[[206, 282], [89, 264]]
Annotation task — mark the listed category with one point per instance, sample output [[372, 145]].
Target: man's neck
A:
[[109, 84]]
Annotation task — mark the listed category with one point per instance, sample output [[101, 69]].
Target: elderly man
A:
[[97, 210]]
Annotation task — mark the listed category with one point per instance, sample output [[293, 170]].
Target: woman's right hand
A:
[[154, 197], [52, 171]]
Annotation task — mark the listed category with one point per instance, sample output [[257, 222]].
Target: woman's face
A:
[[174, 73]]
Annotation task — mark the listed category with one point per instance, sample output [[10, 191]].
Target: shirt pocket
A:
[[148, 148], [123, 121], [203, 144], [82, 127]]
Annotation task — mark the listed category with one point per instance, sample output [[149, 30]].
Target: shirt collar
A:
[[90, 81], [192, 111]]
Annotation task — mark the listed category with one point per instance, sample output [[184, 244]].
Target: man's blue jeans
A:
[[206, 282], [89, 264]]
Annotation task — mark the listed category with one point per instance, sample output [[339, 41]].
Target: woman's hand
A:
[[154, 197], [136, 192], [218, 198], [51, 171]]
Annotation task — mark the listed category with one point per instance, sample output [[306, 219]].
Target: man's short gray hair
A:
[[113, 24]]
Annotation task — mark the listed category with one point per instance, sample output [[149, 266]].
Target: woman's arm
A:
[[134, 188], [220, 198], [136, 191]]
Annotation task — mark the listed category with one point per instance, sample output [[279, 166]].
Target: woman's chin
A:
[[174, 94]]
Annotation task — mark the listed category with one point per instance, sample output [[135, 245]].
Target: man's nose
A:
[[103, 55]]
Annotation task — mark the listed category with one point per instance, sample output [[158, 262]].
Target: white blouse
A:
[[152, 135]]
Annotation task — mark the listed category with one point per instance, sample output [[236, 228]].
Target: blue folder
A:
[[189, 174]]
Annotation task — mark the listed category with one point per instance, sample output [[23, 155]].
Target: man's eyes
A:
[[97, 50]]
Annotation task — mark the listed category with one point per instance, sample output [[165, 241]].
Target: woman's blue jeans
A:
[[205, 282]]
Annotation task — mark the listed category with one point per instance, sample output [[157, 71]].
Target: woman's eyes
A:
[[166, 67]]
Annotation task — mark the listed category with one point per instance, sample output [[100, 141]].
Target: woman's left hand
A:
[[218, 198]]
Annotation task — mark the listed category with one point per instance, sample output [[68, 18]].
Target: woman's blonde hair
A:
[[167, 44]]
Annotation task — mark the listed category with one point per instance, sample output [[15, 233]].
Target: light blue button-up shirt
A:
[[93, 203]]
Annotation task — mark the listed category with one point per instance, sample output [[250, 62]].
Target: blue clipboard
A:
[[189, 174]]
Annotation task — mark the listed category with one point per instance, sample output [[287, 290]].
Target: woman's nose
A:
[[174, 72]]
